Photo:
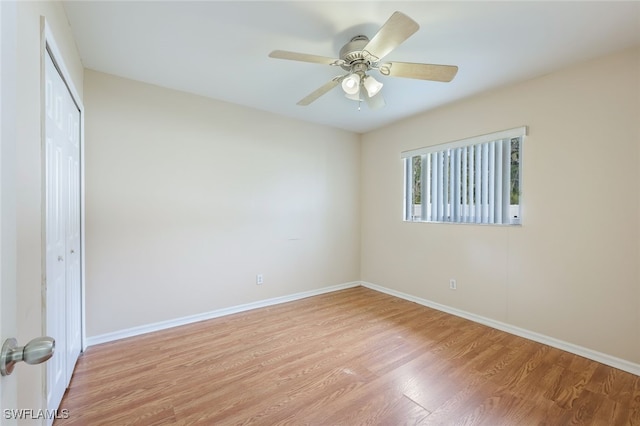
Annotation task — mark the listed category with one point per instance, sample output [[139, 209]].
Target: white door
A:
[[8, 287], [63, 286], [72, 217]]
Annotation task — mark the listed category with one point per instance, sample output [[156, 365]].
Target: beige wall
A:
[[571, 271], [187, 199], [29, 180]]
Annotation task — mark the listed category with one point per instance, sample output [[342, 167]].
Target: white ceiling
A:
[[219, 49]]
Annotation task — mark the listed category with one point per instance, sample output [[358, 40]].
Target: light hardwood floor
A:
[[350, 357]]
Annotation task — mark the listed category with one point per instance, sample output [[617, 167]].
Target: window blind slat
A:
[[445, 186], [506, 179], [450, 174], [463, 190], [471, 188], [457, 199], [408, 189], [449, 188], [498, 183], [478, 188], [491, 185], [435, 170], [485, 183], [438, 215], [424, 187]]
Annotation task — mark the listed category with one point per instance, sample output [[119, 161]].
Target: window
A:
[[475, 180]]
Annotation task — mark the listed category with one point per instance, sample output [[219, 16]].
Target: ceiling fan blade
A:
[[396, 30], [432, 72], [376, 101], [320, 91], [304, 57]]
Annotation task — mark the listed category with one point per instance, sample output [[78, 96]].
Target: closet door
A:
[[55, 144], [72, 217], [62, 187]]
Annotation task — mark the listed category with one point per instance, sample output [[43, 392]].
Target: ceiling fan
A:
[[361, 55]]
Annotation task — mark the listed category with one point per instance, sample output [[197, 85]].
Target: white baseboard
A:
[[163, 325], [603, 358]]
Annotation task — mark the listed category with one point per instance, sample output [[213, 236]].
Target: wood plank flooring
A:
[[351, 357]]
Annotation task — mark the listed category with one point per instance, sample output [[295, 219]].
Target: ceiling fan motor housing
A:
[[353, 55]]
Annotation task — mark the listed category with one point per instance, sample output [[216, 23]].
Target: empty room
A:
[[320, 213]]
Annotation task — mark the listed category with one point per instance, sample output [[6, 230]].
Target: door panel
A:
[[8, 175], [55, 234], [63, 239], [73, 302]]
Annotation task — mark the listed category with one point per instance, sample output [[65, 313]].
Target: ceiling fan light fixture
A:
[[372, 86], [354, 97], [351, 84], [363, 54]]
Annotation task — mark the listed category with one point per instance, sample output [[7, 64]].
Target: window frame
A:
[[456, 187]]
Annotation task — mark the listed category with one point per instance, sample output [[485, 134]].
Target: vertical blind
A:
[[466, 181]]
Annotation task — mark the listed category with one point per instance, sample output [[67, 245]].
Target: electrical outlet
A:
[[452, 284], [259, 279]]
